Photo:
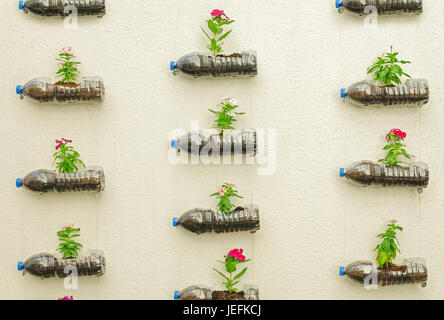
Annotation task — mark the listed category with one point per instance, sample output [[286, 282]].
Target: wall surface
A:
[[311, 220]]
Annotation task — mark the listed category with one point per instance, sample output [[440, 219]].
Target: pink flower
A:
[[59, 144], [222, 192], [67, 298], [397, 132], [66, 141], [67, 50], [237, 254], [216, 13], [67, 225]]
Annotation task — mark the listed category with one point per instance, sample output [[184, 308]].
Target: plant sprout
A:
[[387, 69], [226, 116], [68, 247], [388, 248], [227, 190], [232, 259], [66, 158], [218, 19], [395, 148], [68, 71]]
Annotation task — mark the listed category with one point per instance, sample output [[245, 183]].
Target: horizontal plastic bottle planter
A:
[[198, 65], [200, 143], [383, 7], [91, 179], [63, 8], [414, 271], [413, 93], [46, 265], [366, 173], [206, 220], [88, 90], [200, 292]]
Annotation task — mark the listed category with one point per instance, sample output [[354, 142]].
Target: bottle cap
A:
[[173, 143], [175, 222], [21, 5], [338, 4], [172, 65], [343, 93], [19, 89], [342, 172], [20, 266], [341, 271], [19, 183], [176, 295]]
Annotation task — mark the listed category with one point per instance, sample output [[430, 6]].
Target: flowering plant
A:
[[68, 246], [226, 191], [67, 156], [388, 248], [232, 259], [68, 71], [225, 117], [395, 148], [218, 19]]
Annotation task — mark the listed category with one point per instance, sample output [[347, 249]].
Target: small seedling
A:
[[226, 191], [66, 158], [226, 117], [68, 247], [68, 71], [387, 69], [388, 248]]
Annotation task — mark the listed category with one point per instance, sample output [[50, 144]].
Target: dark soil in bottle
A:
[[226, 295]]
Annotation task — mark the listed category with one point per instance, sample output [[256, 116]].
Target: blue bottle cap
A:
[[338, 4], [175, 222], [172, 65], [341, 271], [19, 183], [173, 143], [20, 266], [176, 295], [21, 5], [19, 89], [343, 93], [342, 172]]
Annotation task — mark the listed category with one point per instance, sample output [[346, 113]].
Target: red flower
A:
[[397, 132], [237, 254], [216, 13]]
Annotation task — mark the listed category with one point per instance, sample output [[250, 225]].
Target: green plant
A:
[[68, 158], [232, 259], [68, 247], [225, 117], [218, 19], [227, 190], [68, 71], [388, 248], [387, 69], [395, 148]]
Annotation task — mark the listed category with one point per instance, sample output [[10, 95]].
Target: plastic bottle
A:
[[366, 173], [413, 93], [46, 265], [414, 270], [205, 143], [206, 220], [88, 90], [202, 292], [197, 292], [63, 8], [197, 65], [90, 179], [383, 7]]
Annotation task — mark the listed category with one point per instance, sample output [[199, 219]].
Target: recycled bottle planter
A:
[[91, 179], [206, 220], [413, 93], [413, 271], [366, 173], [204, 143], [198, 65], [88, 90], [200, 292], [63, 8], [383, 7], [46, 265]]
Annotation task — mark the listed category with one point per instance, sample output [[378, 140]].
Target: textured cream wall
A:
[[312, 221]]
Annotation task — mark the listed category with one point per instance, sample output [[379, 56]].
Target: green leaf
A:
[[240, 274]]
